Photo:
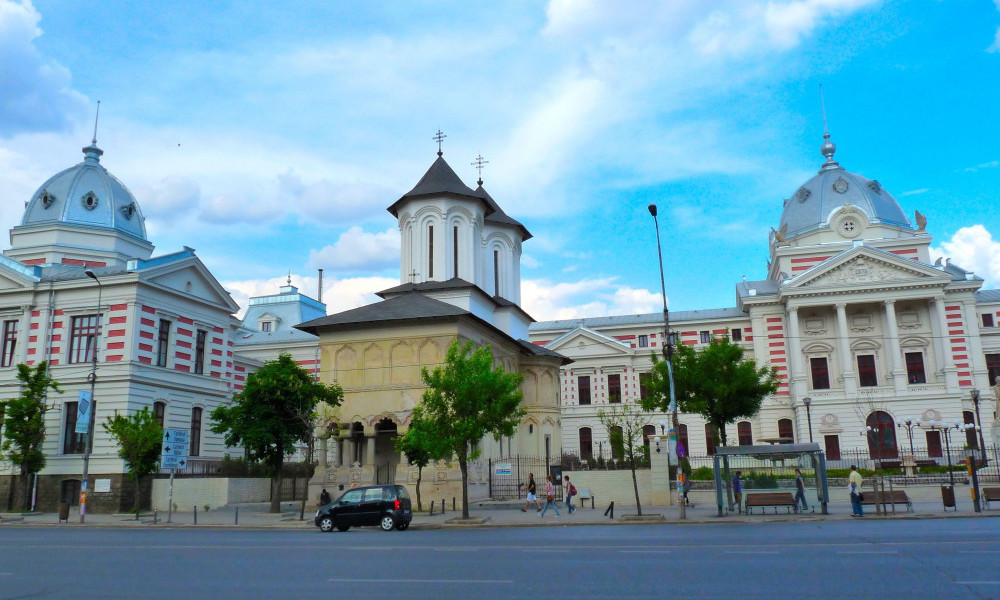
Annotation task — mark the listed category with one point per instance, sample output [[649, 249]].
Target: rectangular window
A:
[[644, 380], [934, 444], [73, 442], [586, 443], [430, 252], [194, 449], [454, 251], [496, 272], [832, 443], [866, 371], [265, 326], [160, 412], [710, 439], [704, 337], [993, 367], [199, 352], [737, 335], [83, 338], [820, 373], [615, 389], [9, 343], [163, 343], [988, 320], [915, 367], [643, 341], [744, 432], [583, 384]]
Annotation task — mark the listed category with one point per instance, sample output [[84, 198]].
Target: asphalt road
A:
[[931, 558]]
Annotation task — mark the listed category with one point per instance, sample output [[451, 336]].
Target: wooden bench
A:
[[991, 494], [894, 497], [774, 499]]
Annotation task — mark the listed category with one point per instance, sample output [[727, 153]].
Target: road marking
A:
[[645, 551], [867, 552], [546, 550], [978, 582], [751, 551], [979, 551], [380, 580]]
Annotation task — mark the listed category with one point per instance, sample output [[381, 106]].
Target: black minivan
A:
[[387, 506]]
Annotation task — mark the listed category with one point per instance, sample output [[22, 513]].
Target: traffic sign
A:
[[173, 462], [174, 451]]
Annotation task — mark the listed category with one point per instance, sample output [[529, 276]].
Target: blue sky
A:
[[271, 136]]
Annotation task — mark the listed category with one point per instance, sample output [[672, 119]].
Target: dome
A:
[[812, 205], [86, 195]]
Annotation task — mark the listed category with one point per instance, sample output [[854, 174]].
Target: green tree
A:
[[624, 426], [466, 399], [24, 425], [268, 418], [420, 448], [139, 437]]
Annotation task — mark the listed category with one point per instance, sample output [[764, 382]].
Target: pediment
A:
[[582, 342], [191, 278], [867, 268]]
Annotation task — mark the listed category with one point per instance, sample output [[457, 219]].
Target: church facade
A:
[[79, 282], [460, 266], [864, 328]]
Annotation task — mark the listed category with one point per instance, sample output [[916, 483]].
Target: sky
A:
[[271, 136]]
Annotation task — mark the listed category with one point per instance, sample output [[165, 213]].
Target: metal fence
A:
[[385, 474], [509, 477], [570, 461]]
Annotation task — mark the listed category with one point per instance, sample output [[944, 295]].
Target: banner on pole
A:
[[83, 412]]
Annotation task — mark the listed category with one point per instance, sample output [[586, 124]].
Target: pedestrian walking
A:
[[738, 491], [324, 498], [549, 497], [684, 484], [854, 482], [531, 497], [570, 492], [800, 490]]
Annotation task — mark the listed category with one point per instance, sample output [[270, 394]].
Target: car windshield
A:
[[350, 497]]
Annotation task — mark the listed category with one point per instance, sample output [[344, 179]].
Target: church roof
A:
[[86, 195], [640, 319], [455, 283], [401, 308], [495, 214], [439, 179]]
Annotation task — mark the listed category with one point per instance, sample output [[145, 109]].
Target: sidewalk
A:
[[495, 514]]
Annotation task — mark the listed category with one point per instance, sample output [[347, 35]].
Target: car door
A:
[[370, 510], [345, 511]]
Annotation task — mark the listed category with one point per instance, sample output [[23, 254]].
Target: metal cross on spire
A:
[[439, 137], [478, 163], [413, 275]]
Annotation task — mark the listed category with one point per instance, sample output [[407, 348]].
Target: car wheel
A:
[[326, 524], [403, 525], [388, 523], [342, 527]]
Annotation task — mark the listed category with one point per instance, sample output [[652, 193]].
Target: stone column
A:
[[942, 341], [893, 352], [23, 329], [796, 372], [348, 452], [370, 454], [844, 351]]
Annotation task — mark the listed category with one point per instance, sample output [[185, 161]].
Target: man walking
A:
[[531, 494], [738, 491], [854, 482], [800, 490], [570, 492]]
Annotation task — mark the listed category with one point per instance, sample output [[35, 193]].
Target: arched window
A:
[[430, 252], [160, 413], [586, 443], [647, 431], [617, 442], [971, 437], [682, 439], [744, 432], [785, 431], [881, 431], [710, 438]]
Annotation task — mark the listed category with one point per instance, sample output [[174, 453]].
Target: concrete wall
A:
[[608, 486], [214, 492]]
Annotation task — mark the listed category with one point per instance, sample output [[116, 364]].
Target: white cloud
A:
[[529, 262], [359, 250], [914, 192], [974, 249], [36, 94], [995, 46], [986, 165], [338, 294], [547, 301]]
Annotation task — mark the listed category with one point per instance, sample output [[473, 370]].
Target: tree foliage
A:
[[271, 415], [24, 423], [420, 447], [624, 426], [466, 399], [139, 437], [717, 382]]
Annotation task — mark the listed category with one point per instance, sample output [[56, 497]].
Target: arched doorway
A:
[[385, 442], [881, 431]]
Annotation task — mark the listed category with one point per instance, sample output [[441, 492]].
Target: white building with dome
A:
[[863, 327], [80, 277]]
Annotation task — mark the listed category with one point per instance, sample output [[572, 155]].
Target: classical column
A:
[[942, 341], [893, 352], [796, 372], [370, 454], [323, 448], [23, 328], [844, 351], [348, 452]]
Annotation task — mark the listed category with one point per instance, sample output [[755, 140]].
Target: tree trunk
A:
[[635, 485], [727, 479], [135, 497], [310, 471], [26, 492], [464, 466], [420, 474], [276, 491]]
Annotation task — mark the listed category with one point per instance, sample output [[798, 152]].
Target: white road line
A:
[[490, 581], [645, 551], [867, 552], [979, 551], [546, 550], [978, 582], [751, 551]]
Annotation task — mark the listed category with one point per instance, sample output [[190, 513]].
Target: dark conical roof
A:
[[495, 214], [439, 179]]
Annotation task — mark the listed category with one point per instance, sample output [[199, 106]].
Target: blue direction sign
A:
[[174, 452]]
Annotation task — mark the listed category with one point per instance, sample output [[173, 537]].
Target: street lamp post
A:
[[92, 378], [946, 428], [668, 352], [979, 424], [807, 401], [908, 423]]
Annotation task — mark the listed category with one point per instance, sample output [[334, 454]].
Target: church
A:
[[460, 280]]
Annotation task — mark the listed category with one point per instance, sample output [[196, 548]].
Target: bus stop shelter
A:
[[774, 459]]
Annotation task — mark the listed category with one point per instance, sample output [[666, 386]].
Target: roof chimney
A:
[[319, 293]]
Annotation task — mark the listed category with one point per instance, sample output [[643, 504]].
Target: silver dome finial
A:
[[92, 152], [828, 149]]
